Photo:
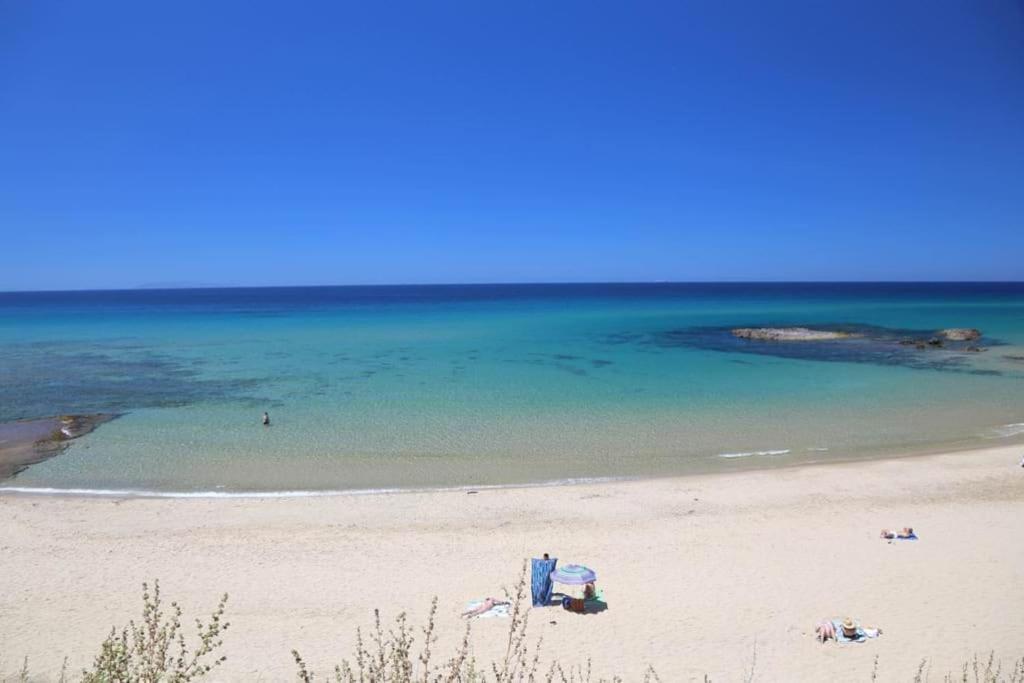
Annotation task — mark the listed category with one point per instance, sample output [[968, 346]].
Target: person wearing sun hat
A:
[[849, 630], [844, 631]]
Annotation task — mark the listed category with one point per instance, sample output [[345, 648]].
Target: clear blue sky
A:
[[332, 143]]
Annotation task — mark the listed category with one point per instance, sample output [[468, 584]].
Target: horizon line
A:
[[536, 283]]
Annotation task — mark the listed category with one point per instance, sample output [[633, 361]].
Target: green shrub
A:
[[156, 651]]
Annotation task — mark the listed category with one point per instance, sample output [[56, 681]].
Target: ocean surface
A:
[[373, 388]]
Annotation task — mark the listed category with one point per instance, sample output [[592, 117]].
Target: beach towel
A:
[[540, 581], [496, 611]]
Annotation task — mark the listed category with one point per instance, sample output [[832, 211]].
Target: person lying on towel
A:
[[485, 606], [845, 631], [904, 534]]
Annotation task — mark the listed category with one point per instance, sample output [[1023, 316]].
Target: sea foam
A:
[[748, 454], [1005, 431]]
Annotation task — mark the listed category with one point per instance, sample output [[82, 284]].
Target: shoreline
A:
[[765, 461], [696, 569]]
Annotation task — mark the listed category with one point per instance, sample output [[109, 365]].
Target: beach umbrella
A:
[[573, 575]]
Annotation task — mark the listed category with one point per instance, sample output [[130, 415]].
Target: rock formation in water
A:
[[27, 442], [960, 334], [74, 426], [951, 339], [788, 334]]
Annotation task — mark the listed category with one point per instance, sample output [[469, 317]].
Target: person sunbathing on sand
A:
[[905, 532], [826, 630], [845, 631], [485, 606]]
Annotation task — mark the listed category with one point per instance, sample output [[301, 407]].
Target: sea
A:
[[388, 388]]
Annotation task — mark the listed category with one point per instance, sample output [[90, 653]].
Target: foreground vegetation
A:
[[389, 657], [157, 651]]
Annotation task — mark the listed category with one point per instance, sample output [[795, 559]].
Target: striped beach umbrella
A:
[[573, 575]]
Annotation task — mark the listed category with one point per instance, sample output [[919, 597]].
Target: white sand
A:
[[695, 570]]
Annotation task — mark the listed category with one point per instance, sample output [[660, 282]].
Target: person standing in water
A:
[[266, 419]]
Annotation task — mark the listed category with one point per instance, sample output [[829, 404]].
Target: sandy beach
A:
[[696, 571]]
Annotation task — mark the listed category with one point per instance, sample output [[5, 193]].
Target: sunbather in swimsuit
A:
[[485, 606], [904, 533], [845, 631]]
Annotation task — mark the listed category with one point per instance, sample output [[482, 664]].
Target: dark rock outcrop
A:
[[27, 442]]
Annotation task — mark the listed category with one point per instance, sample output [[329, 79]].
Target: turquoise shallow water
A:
[[391, 387]]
